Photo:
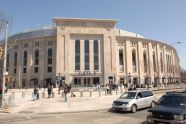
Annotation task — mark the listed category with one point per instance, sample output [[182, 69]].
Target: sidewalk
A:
[[73, 104]]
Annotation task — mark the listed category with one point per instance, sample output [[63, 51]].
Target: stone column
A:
[[140, 63], [150, 62], [128, 59]]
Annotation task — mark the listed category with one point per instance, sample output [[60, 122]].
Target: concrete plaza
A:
[[85, 100]]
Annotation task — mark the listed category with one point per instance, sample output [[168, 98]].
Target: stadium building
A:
[[88, 52]]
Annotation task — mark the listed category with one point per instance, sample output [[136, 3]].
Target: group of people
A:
[[66, 89], [110, 87]]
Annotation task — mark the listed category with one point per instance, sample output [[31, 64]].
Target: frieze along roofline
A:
[[84, 22]]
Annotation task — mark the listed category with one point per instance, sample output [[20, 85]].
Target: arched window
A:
[[49, 56], [15, 59], [96, 55], [145, 60], [87, 62], [161, 61], [168, 63], [154, 60], [134, 60], [77, 55], [36, 57], [25, 58], [121, 60]]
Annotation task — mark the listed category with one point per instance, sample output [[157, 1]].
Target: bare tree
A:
[[182, 69]]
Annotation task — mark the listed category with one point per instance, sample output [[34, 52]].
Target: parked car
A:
[[134, 100], [170, 109]]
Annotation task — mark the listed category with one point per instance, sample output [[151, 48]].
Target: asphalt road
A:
[[94, 117]]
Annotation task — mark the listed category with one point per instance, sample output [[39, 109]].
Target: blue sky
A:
[[163, 20]]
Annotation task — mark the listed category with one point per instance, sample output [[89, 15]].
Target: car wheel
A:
[[152, 104], [133, 108]]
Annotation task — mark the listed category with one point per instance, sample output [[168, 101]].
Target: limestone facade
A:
[[88, 52]]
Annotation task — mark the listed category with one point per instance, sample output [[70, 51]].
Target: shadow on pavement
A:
[[125, 112]]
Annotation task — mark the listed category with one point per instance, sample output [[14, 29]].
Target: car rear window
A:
[[147, 93]]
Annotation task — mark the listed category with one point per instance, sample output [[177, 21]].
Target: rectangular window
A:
[[50, 43], [16, 47], [49, 69], [77, 81], [37, 61], [25, 62], [25, 45], [24, 70], [121, 60], [86, 57], [77, 62], [134, 60], [96, 62], [96, 55], [49, 60], [87, 66], [15, 63], [96, 66], [15, 70], [36, 69], [36, 44], [121, 57], [77, 66], [77, 54]]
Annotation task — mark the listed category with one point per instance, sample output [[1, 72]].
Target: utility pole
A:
[[4, 64]]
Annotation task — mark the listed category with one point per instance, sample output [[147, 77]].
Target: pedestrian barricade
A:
[[121, 91], [81, 93], [72, 94], [32, 94], [62, 94], [13, 94], [90, 93], [105, 92], [23, 94], [53, 94], [99, 92], [11, 100], [43, 94], [116, 92]]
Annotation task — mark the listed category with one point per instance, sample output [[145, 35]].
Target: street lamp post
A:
[[61, 81], [4, 64], [173, 66], [149, 81]]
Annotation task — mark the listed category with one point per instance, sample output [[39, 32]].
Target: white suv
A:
[[134, 100]]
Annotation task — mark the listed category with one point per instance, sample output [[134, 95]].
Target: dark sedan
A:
[[171, 109]]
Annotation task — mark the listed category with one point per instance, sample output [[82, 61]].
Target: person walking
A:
[[65, 92], [107, 88], [36, 94], [49, 91]]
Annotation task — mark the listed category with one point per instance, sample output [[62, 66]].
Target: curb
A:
[[69, 112]]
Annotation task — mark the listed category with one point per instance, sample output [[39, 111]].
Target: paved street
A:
[[94, 117]]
